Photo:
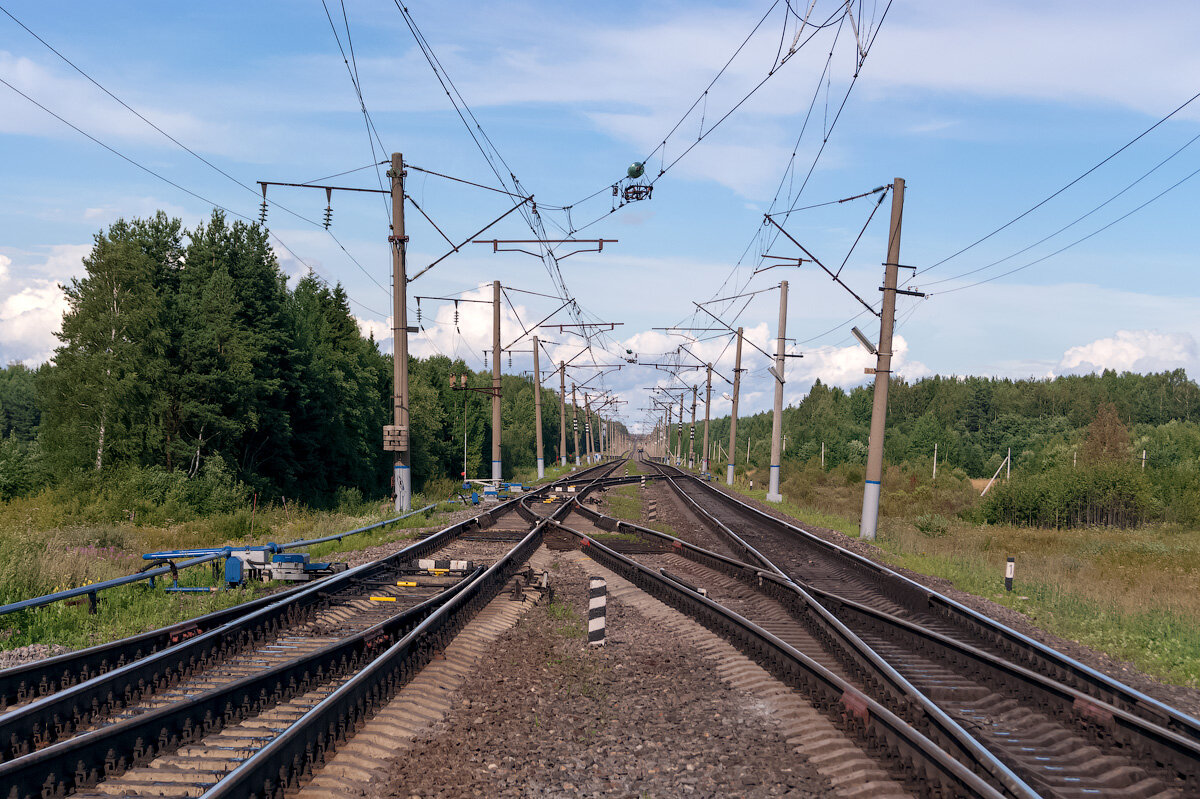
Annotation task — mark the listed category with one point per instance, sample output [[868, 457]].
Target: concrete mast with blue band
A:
[[737, 384], [883, 370], [496, 383], [773, 494], [537, 411]]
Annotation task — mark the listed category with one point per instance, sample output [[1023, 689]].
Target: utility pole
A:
[[883, 369], [587, 427], [692, 432], [496, 383], [773, 494], [707, 412], [575, 423], [537, 411], [562, 413], [737, 384], [679, 443], [396, 439]]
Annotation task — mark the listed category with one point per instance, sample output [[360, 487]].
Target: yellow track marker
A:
[[383, 599], [406, 584], [438, 572]]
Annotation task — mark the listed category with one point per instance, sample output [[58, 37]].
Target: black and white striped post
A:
[[1010, 568], [597, 607], [643, 482]]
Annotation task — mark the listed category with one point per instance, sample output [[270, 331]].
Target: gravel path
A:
[[645, 716]]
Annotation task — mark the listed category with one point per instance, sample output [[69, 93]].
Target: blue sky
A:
[[984, 110]]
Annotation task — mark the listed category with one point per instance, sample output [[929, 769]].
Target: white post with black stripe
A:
[[1010, 568], [597, 610]]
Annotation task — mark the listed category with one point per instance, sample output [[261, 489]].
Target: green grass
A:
[[35, 561], [1129, 593], [624, 502], [1132, 594], [571, 626]]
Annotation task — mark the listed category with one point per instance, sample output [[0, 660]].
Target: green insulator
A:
[[636, 169]]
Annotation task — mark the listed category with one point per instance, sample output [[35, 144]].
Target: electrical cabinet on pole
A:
[[395, 436], [692, 432], [883, 369], [562, 413], [537, 411], [707, 411], [737, 384], [575, 423], [496, 382], [773, 494]]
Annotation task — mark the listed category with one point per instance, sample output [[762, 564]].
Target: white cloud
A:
[[1054, 51], [1131, 351], [33, 305], [84, 105]]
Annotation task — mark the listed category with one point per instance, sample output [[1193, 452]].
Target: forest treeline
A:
[[1047, 423], [191, 374], [190, 369]]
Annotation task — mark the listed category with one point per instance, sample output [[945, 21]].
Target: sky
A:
[[1049, 235]]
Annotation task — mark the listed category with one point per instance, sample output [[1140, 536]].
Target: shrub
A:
[[932, 524], [1112, 494]]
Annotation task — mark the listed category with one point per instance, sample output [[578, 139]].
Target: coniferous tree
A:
[[101, 394]]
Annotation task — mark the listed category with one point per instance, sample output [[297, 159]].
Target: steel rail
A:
[[1034, 654], [92, 591], [74, 687], [83, 760], [46, 677], [903, 697], [59, 713], [851, 709], [1176, 755], [290, 758], [43, 677]]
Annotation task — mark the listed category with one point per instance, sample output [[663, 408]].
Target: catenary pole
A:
[[496, 382], [562, 413], [883, 369], [575, 422], [537, 411], [692, 432], [707, 413], [587, 428], [401, 465], [737, 384], [679, 443], [773, 494]]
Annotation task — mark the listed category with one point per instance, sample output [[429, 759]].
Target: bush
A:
[[1112, 494], [932, 524], [21, 469]]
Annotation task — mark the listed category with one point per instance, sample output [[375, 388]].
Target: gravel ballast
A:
[[643, 716]]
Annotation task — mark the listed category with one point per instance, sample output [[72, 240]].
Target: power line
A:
[[1099, 230], [1074, 222], [1059, 191], [353, 71], [182, 146], [170, 182]]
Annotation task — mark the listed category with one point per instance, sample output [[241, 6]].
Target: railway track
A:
[[221, 706], [875, 745], [1061, 729]]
